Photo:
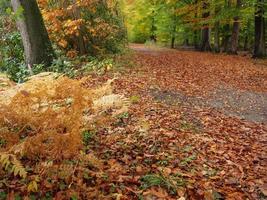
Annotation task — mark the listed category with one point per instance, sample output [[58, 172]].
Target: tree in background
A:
[[259, 49], [235, 32], [205, 33], [37, 46], [85, 27], [221, 25]]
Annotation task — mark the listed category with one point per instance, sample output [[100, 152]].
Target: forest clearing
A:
[[145, 100]]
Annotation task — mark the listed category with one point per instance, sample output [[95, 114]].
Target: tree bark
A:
[[226, 38], [217, 32], [173, 34], [246, 39], [259, 49], [235, 33], [216, 37], [196, 32], [37, 46], [205, 40]]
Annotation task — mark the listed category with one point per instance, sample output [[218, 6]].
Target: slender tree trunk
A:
[[217, 37], [226, 38], [205, 40], [81, 44], [235, 33], [196, 32], [217, 32], [226, 30], [186, 40], [173, 42], [173, 28], [246, 40], [196, 39], [259, 49], [153, 29], [37, 46]]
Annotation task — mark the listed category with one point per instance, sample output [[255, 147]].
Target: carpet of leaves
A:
[[196, 152]]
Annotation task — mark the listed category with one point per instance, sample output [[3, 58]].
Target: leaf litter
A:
[[170, 142]]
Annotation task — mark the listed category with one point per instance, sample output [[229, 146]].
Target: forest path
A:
[[231, 84], [196, 118]]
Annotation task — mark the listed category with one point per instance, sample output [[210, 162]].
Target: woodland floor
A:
[[197, 117]]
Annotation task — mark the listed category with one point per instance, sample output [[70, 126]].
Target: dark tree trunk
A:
[[186, 42], [153, 29], [37, 46], [217, 32], [246, 39], [226, 30], [259, 49], [173, 34], [173, 42], [196, 39], [226, 38], [217, 37], [205, 40], [235, 33], [196, 32]]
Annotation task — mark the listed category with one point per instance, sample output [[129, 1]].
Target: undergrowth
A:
[[44, 126]]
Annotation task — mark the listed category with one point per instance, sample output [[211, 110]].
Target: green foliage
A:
[[87, 137], [170, 183], [11, 55], [3, 142], [3, 195], [181, 22], [186, 161]]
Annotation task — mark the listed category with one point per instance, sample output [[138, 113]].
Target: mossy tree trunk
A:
[[37, 46]]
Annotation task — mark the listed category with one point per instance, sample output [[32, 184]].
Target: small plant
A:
[[87, 137], [3, 142], [188, 160], [187, 126], [171, 183], [98, 66], [134, 99], [124, 115], [10, 163]]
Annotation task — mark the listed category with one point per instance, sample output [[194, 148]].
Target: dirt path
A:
[[247, 102]]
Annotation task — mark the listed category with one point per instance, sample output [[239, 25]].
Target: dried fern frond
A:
[[11, 163]]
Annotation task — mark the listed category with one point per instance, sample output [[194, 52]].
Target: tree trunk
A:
[[174, 21], [196, 33], [226, 38], [186, 39], [259, 49], [173, 42], [217, 32], [153, 29], [196, 45], [205, 40], [246, 40], [37, 46], [235, 33], [216, 37]]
